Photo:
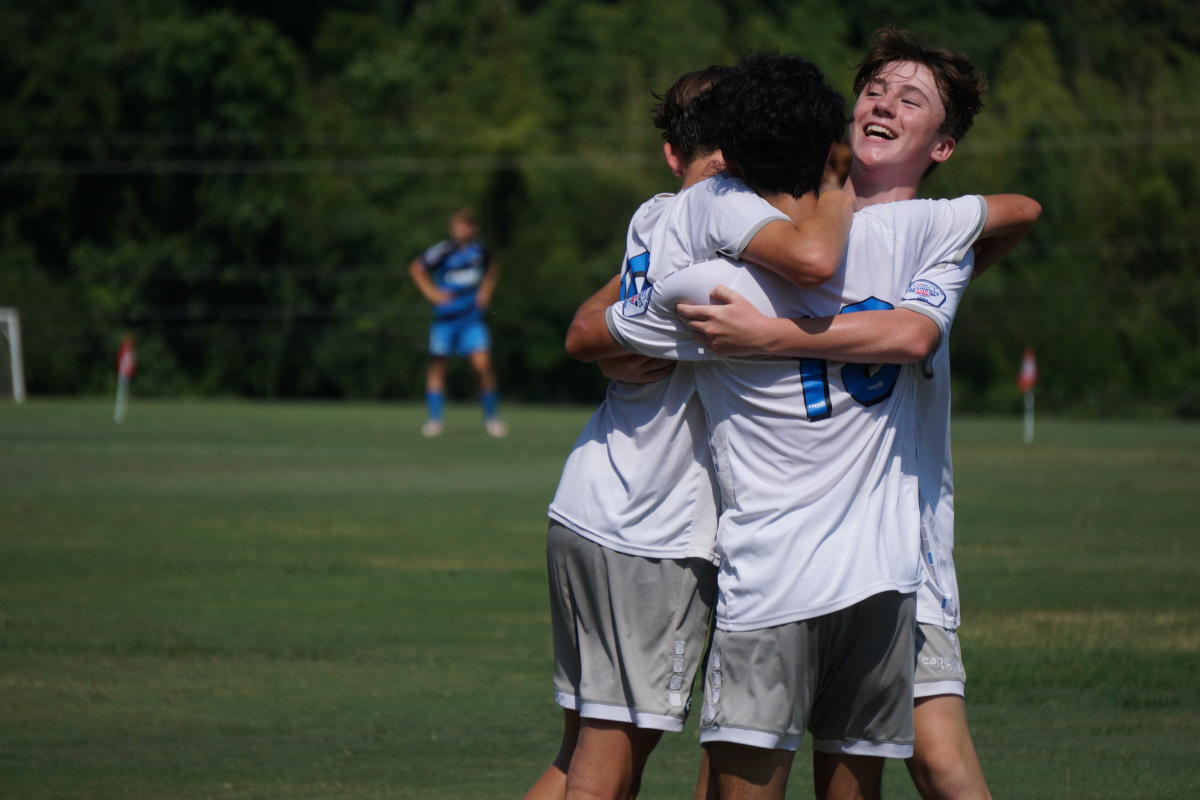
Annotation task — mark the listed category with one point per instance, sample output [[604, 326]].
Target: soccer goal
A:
[[10, 326]]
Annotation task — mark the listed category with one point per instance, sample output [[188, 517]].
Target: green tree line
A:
[[241, 185]]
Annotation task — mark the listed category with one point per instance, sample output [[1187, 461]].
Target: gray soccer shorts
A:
[[629, 632], [940, 667], [846, 677]]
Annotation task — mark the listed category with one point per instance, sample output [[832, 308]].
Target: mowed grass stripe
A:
[[224, 599]]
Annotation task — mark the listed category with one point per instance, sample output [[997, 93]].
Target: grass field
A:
[[233, 600]]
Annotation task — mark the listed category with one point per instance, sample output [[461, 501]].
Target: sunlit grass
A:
[[299, 601]]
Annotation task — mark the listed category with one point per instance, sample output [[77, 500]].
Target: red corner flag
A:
[[126, 359], [126, 366], [1028, 375]]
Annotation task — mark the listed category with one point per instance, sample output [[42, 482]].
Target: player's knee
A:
[[945, 774], [596, 786]]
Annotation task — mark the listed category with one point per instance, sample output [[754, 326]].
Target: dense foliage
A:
[[242, 184]]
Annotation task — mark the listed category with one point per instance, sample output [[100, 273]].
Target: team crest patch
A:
[[637, 305], [925, 291]]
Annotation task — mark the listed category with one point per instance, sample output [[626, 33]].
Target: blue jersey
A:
[[459, 271]]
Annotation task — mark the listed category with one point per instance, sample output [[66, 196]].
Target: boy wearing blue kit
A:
[[458, 276]]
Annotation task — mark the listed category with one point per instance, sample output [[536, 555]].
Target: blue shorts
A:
[[458, 337]]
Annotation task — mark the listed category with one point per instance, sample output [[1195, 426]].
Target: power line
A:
[[331, 138], [403, 165], [232, 272]]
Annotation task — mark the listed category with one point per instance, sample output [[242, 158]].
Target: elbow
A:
[[1030, 211], [577, 346], [814, 267], [1035, 208], [919, 344], [918, 353]]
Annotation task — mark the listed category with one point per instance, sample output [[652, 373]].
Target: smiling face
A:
[[897, 120]]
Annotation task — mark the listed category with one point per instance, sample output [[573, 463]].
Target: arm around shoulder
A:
[[732, 327], [809, 252], [896, 336], [1007, 213], [588, 338], [1010, 218]]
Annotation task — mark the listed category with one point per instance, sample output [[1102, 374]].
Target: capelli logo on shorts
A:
[[925, 291], [637, 305], [942, 664]]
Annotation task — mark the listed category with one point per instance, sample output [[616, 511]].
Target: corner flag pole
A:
[[1026, 379], [126, 366]]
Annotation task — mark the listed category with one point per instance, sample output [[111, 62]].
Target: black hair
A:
[[777, 121], [682, 116]]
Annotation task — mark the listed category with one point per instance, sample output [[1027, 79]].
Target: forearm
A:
[[991, 250], [1010, 218], [809, 252], [487, 286], [634, 368], [588, 338], [826, 234], [421, 278], [898, 336]]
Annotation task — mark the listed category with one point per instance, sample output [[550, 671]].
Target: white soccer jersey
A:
[[639, 479], [717, 216], [816, 460], [937, 599]]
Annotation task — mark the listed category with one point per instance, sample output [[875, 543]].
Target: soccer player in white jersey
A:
[[820, 528], [630, 548], [914, 103]]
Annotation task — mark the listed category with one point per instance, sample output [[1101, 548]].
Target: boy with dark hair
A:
[[914, 103], [611, 757], [630, 547], [680, 116], [750, 140]]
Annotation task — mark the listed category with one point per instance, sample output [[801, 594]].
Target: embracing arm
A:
[[1010, 218], [588, 338], [809, 252], [734, 327]]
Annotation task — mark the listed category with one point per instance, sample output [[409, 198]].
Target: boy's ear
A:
[[942, 149], [674, 161]]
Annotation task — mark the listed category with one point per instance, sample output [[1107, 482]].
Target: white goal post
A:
[[10, 326]]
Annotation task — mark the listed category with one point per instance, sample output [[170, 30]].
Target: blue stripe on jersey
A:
[[814, 377], [634, 279]]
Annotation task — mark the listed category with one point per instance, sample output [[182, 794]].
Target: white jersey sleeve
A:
[[935, 231], [717, 216], [935, 292], [635, 266]]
